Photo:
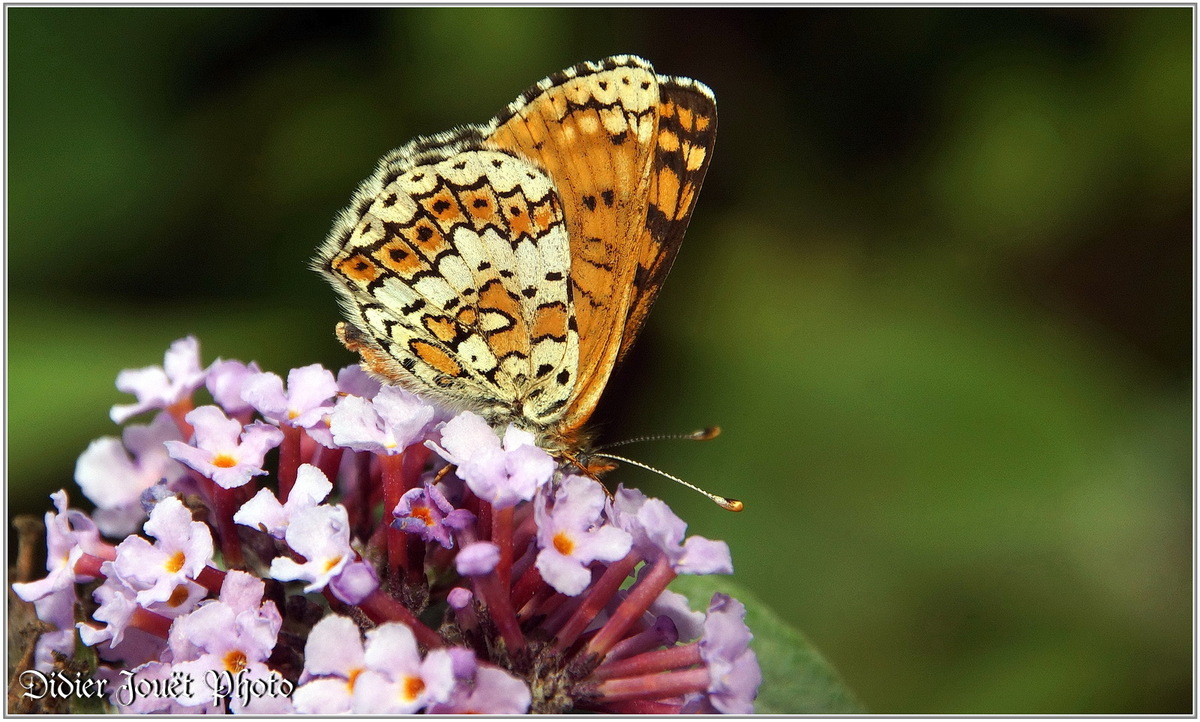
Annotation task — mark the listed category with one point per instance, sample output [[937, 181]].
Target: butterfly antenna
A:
[[722, 501], [708, 434]]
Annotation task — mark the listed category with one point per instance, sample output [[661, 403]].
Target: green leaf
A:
[[796, 678]]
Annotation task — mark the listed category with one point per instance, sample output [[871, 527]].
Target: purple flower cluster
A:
[[486, 579]]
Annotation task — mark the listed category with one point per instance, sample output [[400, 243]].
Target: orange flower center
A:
[[413, 687], [564, 543], [333, 562], [224, 461], [179, 596], [235, 661], [175, 562], [422, 513]]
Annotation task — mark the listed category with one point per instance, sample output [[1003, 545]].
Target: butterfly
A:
[[507, 267]]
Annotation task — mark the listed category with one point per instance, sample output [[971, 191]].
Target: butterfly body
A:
[[507, 267]]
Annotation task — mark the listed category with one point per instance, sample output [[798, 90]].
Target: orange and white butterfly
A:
[[507, 267]]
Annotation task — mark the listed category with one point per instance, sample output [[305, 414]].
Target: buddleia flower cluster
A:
[[328, 545]]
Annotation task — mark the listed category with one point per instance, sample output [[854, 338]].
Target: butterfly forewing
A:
[[592, 128], [686, 134]]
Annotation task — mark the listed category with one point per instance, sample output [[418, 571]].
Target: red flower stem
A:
[[643, 638], [289, 459], [502, 532], [523, 560], [225, 504], [599, 594], [353, 485], [380, 608], [414, 463], [527, 586], [416, 559], [88, 565], [500, 609], [205, 484], [659, 660], [415, 457], [531, 607], [211, 579], [655, 686], [373, 483], [642, 706], [639, 599], [378, 542], [485, 519], [328, 461], [466, 617], [392, 466], [151, 622], [524, 533], [556, 608], [308, 448]]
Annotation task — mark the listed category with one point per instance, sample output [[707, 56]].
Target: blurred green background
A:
[[937, 291]]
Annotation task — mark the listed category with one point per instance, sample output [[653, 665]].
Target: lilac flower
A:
[[321, 535], [388, 424], [657, 532], [223, 451], [159, 387], [266, 513], [493, 691], [225, 382], [397, 680], [69, 535], [352, 380], [688, 624], [533, 571], [459, 597], [306, 404], [477, 559], [333, 660], [232, 635], [118, 603], [354, 583], [483, 689], [114, 481], [117, 606], [572, 534], [500, 473], [732, 665], [427, 513], [183, 548], [55, 606]]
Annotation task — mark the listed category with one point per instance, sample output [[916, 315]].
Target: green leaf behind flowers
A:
[[796, 678]]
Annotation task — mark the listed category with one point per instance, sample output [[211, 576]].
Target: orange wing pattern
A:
[[627, 150], [507, 267], [592, 128], [454, 278], [687, 131]]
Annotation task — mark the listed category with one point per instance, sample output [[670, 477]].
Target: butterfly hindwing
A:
[[444, 274]]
